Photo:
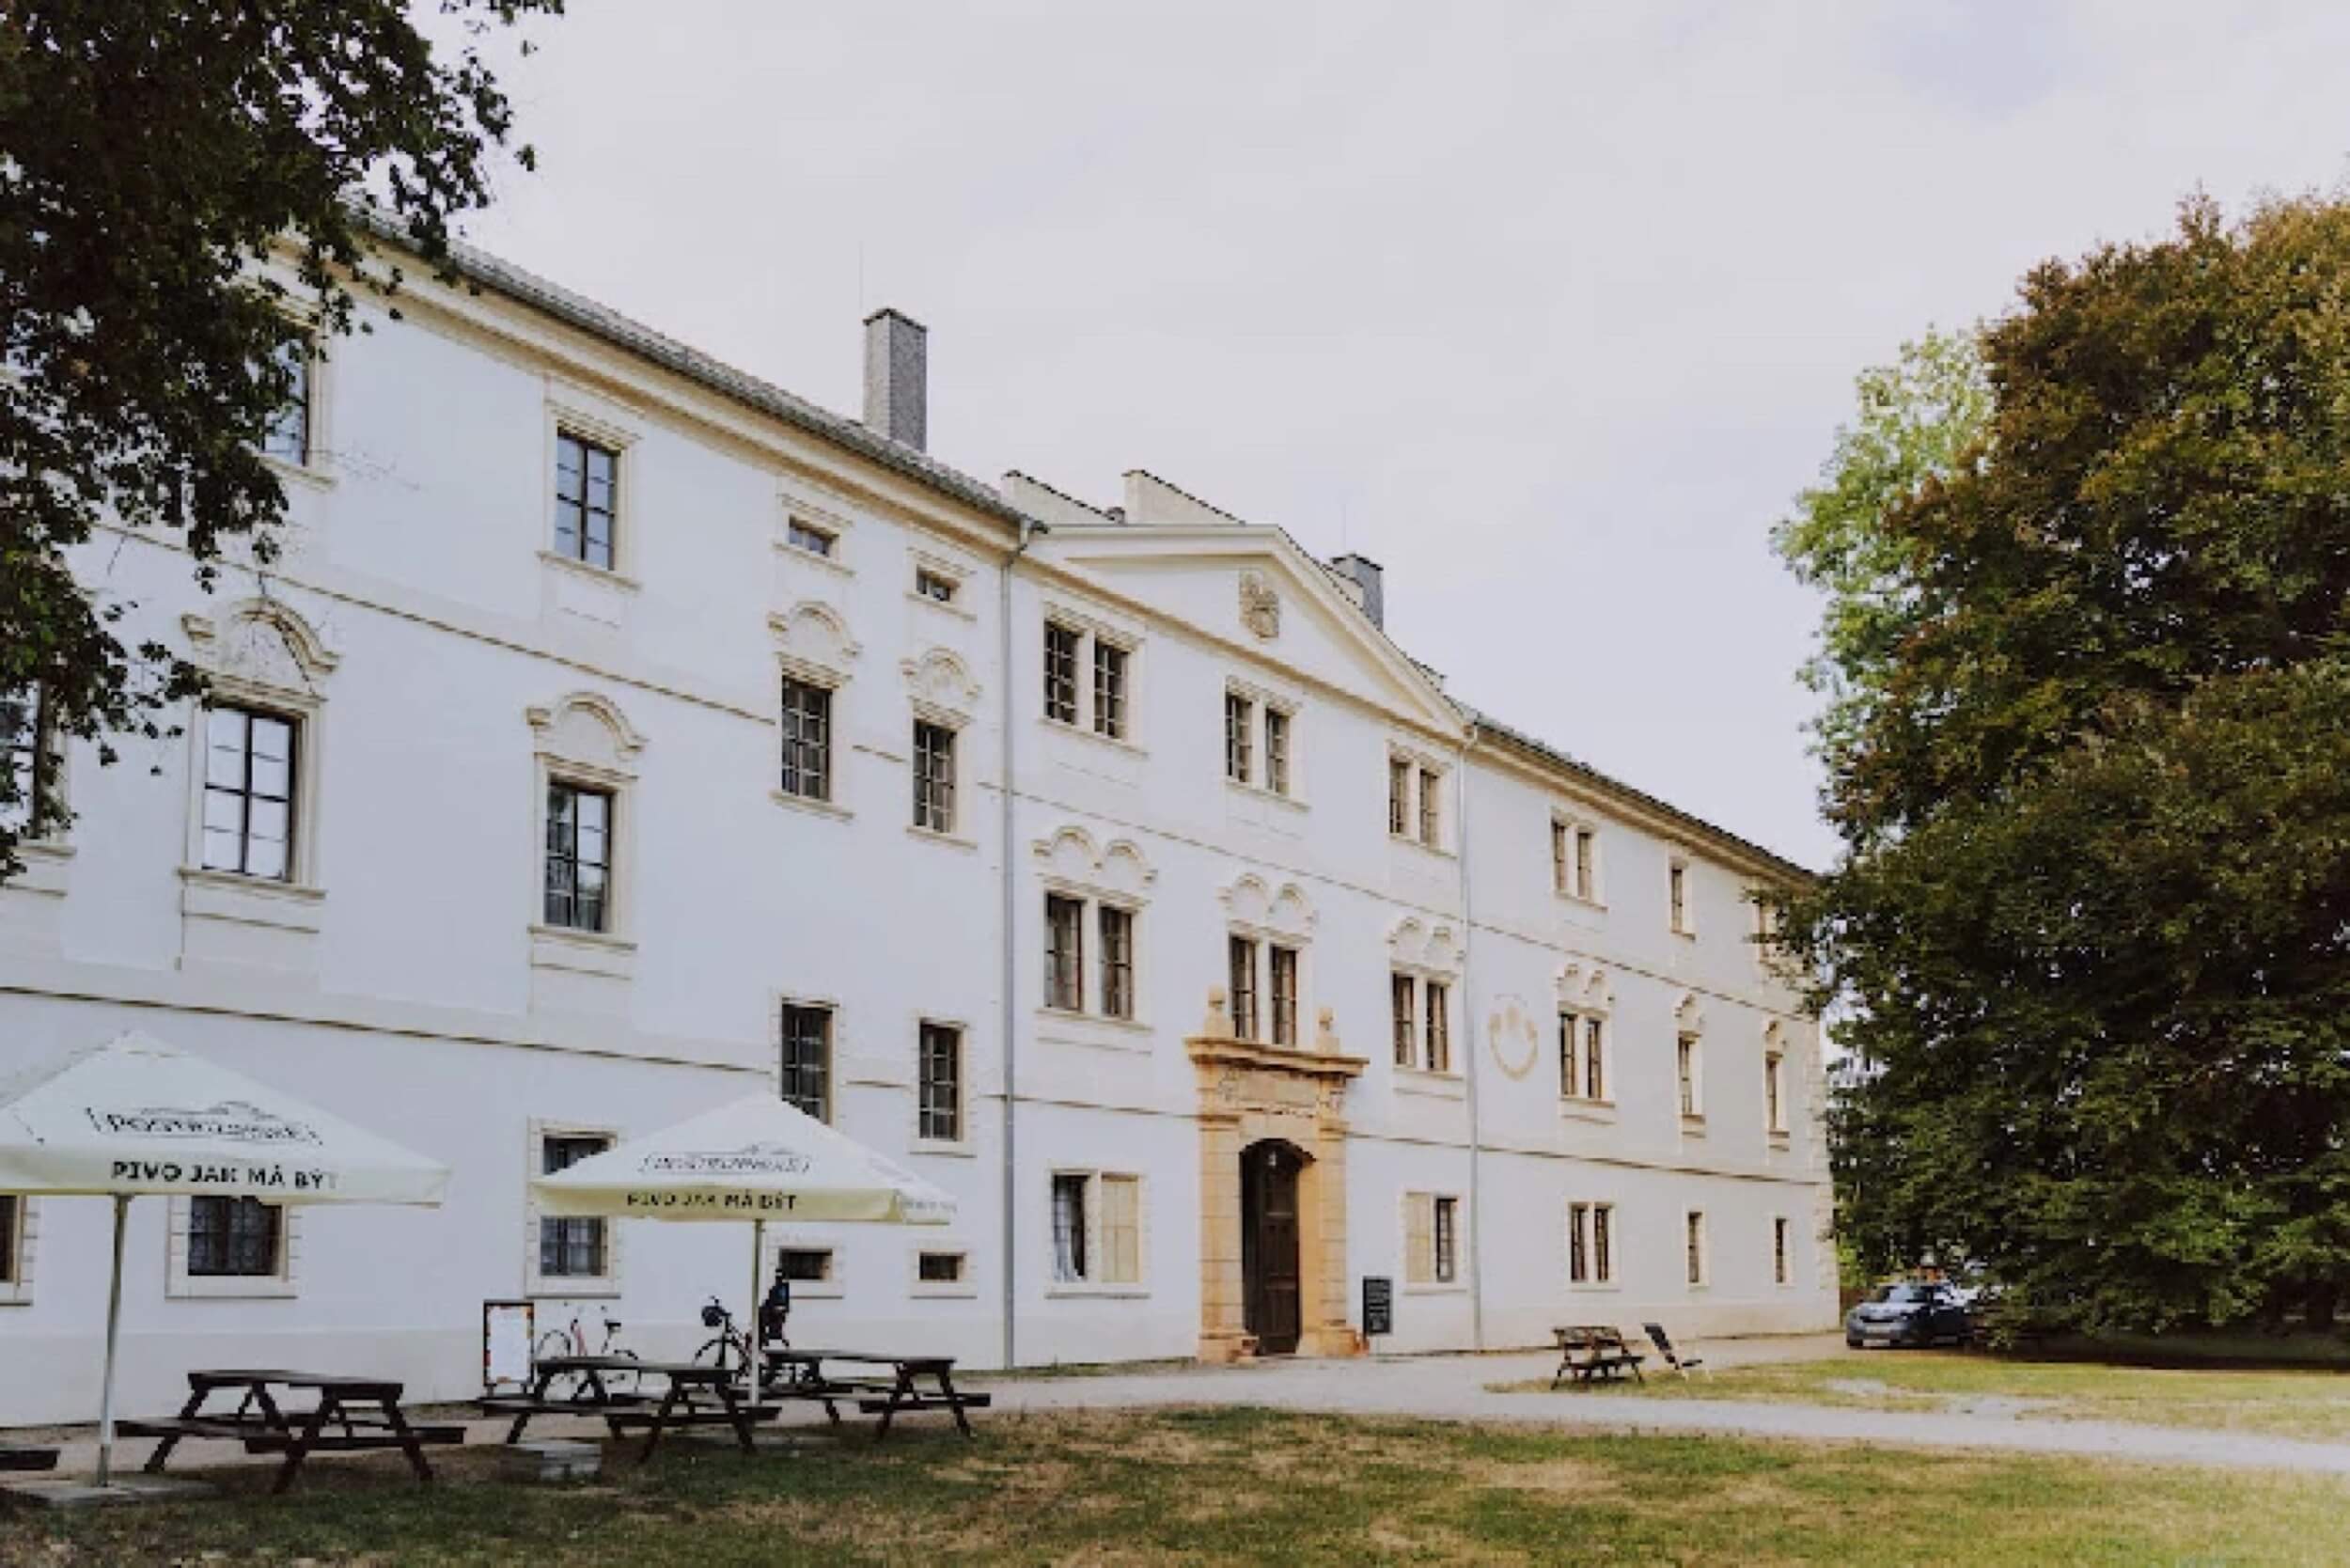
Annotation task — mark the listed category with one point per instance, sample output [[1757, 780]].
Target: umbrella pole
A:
[[114, 1332], [758, 1246]]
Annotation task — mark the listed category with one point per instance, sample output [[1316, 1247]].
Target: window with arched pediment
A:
[[585, 753], [1268, 930], [1424, 957], [1094, 897], [1587, 1001], [258, 750]]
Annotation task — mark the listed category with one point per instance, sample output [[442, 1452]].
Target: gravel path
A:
[[1453, 1388]]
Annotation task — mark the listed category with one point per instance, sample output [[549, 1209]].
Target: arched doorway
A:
[[1272, 1305]]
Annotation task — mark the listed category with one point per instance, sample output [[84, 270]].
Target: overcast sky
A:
[[1549, 309]]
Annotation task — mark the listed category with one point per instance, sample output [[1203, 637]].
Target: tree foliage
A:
[[2088, 747], [155, 155]]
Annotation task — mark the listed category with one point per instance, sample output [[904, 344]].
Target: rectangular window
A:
[[1774, 1112], [1429, 825], [1678, 892], [807, 1060], [1109, 690], [237, 1237], [1281, 963], [248, 793], [11, 1207], [1277, 751], [1685, 1072], [1404, 1018], [288, 435], [1697, 1248], [1121, 1229], [1118, 961], [1064, 952], [1446, 1239], [1578, 1243], [1398, 796], [1602, 1243], [806, 740], [23, 748], [1242, 953], [1570, 1057], [1586, 855], [1594, 1059], [934, 777], [1060, 672], [938, 1268], [805, 1265], [571, 1248], [1559, 838], [1780, 1272], [817, 542], [586, 497], [941, 1084], [579, 856], [1239, 746], [1439, 1028], [1071, 1263], [1419, 1239], [939, 588]]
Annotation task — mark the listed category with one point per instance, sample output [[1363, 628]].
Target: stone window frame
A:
[[1092, 627], [564, 1286], [1425, 954], [318, 416], [813, 644], [1782, 1252], [1697, 1248], [957, 574], [1601, 1273], [1570, 829], [16, 1289], [295, 692], [1265, 916], [824, 514], [783, 1238], [561, 752], [836, 1044], [584, 416], [922, 1143], [1777, 1123], [1434, 1284], [1093, 1285], [942, 691], [1681, 911], [1262, 702], [1117, 875], [1688, 1020], [1585, 995], [179, 1285], [963, 1289], [46, 859], [1422, 766]]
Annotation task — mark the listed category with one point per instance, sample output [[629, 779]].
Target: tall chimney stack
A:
[[897, 375], [1370, 580]]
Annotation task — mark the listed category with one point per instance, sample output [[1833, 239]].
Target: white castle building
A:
[[619, 733]]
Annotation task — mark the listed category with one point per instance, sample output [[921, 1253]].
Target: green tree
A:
[[2089, 749], [155, 157]]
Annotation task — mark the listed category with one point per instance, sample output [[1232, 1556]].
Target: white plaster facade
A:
[[444, 664]]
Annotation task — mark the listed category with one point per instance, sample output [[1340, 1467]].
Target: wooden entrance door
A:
[[1268, 1243]]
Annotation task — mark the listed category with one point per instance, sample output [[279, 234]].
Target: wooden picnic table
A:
[[802, 1374], [1594, 1352], [365, 1412], [696, 1395]]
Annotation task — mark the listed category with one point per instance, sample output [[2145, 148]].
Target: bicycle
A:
[[728, 1348], [574, 1342]]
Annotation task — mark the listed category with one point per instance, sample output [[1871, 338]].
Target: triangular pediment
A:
[[1253, 587]]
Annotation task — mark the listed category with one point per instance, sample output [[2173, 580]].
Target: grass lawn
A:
[[2285, 1403], [1239, 1486]]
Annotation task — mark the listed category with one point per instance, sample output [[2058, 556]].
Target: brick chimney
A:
[[897, 376]]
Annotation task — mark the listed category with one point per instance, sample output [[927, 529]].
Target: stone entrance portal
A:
[[1272, 1194]]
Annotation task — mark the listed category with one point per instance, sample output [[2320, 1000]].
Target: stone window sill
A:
[[1407, 842], [944, 841], [1091, 1020], [1079, 1288], [581, 1287], [1693, 1126], [1437, 1086], [1116, 743], [812, 807], [308, 474], [831, 563], [1435, 1287], [934, 1291], [1600, 1111], [589, 952], [944, 606], [1595, 1287], [956, 1149], [602, 576], [1270, 796], [252, 900]]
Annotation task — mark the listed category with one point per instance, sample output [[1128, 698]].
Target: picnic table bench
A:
[[695, 1395], [1594, 1352], [801, 1374], [363, 1412]]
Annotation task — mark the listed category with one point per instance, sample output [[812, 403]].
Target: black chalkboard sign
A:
[[1378, 1305]]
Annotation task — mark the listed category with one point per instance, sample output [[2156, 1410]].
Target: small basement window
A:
[[939, 1268]]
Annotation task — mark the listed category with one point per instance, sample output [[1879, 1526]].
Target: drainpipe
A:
[[1028, 532], [1468, 1021]]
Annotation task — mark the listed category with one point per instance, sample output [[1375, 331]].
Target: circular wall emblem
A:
[[1517, 1039]]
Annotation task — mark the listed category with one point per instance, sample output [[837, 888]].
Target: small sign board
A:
[[506, 1338], [1378, 1305]]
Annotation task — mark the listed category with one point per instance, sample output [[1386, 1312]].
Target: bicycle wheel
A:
[[612, 1380], [715, 1352]]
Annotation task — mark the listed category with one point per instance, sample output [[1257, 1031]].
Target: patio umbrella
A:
[[136, 1118], [755, 1160]]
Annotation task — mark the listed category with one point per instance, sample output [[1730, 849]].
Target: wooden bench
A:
[[885, 1397], [1594, 1352], [22, 1458], [353, 1415]]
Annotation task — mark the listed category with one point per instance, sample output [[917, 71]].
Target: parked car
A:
[[1909, 1314]]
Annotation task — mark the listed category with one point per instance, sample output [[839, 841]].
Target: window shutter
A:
[[1121, 1229]]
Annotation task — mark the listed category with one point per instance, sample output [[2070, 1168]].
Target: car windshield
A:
[[1903, 1294]]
